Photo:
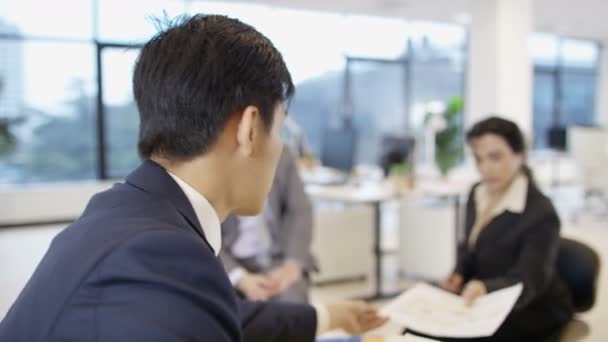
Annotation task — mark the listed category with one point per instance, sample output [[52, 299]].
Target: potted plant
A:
[[447, 127], [401, 176], [8, 141]]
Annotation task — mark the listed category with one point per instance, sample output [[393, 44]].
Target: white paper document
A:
[[435, 312], [337, 337]]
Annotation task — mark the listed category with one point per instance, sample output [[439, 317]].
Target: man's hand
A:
[[257, 286], [354, 317], [285, 276], [473, 290], [453, 283]]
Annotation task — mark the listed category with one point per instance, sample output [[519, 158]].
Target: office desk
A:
[[452, 190], [375, 195], [369, 195]]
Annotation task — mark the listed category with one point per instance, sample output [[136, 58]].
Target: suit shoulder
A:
[[166, 238], [539, 202], [172, 259], [540, 211]]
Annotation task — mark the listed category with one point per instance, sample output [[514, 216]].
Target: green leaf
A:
[[448, 150]]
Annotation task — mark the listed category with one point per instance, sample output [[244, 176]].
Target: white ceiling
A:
[[574, 18]]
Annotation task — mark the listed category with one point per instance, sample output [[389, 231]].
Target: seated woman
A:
[[512, 236]]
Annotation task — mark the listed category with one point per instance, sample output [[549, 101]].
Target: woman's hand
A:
[[473, 290], [453, 283]]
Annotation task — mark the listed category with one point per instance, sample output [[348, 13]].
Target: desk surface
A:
[[352, 193], [384, 191]]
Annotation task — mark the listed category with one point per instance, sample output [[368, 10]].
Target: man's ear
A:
[[246, 134]]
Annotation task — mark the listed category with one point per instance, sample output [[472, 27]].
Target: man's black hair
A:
[[194, 75]]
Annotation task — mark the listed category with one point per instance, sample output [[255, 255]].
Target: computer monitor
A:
[[339, 148], [557, 138], [396, 150]]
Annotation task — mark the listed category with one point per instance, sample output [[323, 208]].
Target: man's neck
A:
[[205, 176]]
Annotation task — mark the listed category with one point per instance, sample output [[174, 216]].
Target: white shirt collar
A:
[[206, 215], [514, 200]]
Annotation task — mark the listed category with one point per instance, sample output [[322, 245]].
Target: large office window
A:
[[60, 19], [371, 72], [134, 21], [46, 91], [565, 78], [49, 87], [69, 123], [47, 96], [120, 111]]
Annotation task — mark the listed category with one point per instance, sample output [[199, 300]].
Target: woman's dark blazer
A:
[[516, 248]]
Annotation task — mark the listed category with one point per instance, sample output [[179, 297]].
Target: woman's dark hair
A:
[[194, 75], [505, 129]]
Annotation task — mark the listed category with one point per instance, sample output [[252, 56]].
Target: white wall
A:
[[602, 87], [46, 202], [21, 249], [499, 79]]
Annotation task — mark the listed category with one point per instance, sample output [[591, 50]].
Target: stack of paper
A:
[[432, 311], [406, 338]]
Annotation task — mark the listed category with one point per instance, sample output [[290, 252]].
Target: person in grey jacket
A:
[[268, 256]]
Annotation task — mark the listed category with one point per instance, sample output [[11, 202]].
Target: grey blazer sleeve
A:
[[295, 211], [290, 220], [230, 233]]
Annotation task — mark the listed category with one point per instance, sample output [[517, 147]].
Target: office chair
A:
[[578, 265]]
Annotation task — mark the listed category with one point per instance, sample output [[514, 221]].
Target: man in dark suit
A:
[[141, 263], [268, 256]]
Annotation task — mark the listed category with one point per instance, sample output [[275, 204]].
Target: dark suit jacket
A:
[[290, 220], [517, 248], [136, 267]]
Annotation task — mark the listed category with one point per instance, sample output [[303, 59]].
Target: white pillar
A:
[[499, 79], [601, 98]]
